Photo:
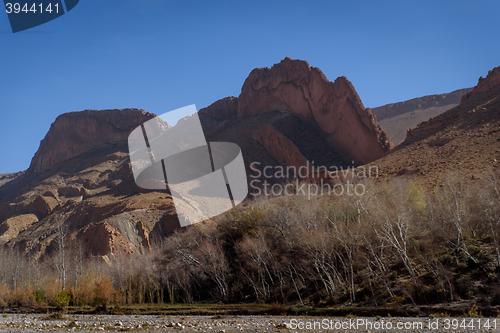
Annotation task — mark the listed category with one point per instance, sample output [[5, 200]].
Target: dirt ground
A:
[[227, 324]]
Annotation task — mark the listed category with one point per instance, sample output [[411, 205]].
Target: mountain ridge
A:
[[80, 179], [464, 139], [397, 118]]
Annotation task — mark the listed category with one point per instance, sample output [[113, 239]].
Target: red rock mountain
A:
[[74, 133], [465, 139], [333, 108], [80, 180]]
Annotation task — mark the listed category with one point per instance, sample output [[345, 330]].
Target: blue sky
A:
[[161, 55]]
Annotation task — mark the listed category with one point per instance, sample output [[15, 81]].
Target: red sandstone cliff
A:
[[74, 133], [476, 107], [280, 147], [397, 118], [334, 108], [223, 108]]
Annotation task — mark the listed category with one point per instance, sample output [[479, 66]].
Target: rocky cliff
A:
[[280, 147], [333, 108], [492, 80], [80, 181], [223, 108], [74, 133]]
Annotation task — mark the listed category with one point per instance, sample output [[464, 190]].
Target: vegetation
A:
[[399, 243]]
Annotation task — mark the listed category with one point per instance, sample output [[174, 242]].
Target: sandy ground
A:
[[226, 324]]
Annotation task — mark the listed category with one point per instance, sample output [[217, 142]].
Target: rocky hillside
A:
[[80, 182], [465, 138], [485, 84], [397, 118]]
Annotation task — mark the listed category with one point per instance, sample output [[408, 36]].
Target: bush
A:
[[22, 298], [103, 291], [39, 296], [62, 299]]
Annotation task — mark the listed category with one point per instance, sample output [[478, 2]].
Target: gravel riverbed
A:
[[227, 324]]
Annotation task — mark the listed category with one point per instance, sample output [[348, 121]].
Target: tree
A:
[[61, 260]]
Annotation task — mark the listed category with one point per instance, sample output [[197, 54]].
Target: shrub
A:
[[103, 291], [62, 299], [39, 296], [22, 298]]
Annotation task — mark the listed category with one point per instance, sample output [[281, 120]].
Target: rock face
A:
[[492, 80], [334, 108], [397, 118], [11, 227], [74, 133], [279, 147], [80, 179], [93, 197], [480, 106], [223, 108]]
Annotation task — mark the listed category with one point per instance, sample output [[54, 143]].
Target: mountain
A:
[[397, 118], [80, 182], [324, 121], [465, 139], [74, 133]]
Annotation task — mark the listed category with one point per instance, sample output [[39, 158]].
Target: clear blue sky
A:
[[160, 55]]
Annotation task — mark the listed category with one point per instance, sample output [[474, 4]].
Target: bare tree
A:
[[213, 262], [61, 257]]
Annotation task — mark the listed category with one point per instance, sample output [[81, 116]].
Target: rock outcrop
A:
[[11, 227], [223, 108], [80, 180], [334, 108], [280, 147], [75, 133], [492, 80]]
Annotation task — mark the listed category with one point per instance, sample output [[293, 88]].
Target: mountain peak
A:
[[75, 133], [333, 108]]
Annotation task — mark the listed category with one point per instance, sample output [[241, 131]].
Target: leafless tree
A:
[[213, 263], [61, 260]]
